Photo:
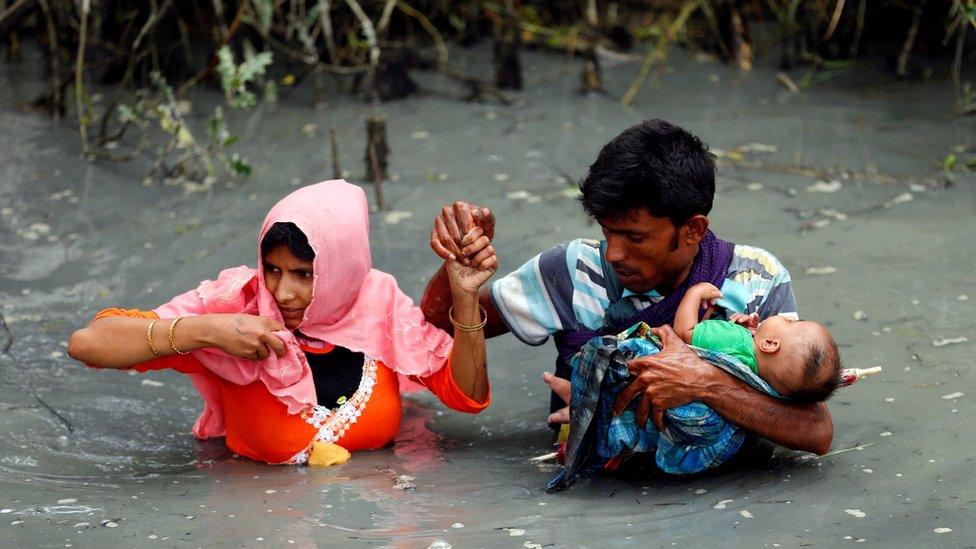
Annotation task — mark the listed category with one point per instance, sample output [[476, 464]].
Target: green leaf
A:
[[949, 161]]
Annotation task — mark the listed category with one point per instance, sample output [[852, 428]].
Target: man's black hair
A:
[[287, 234], [655, 165], [821, 373]]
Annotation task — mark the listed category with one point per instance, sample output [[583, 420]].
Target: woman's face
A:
[[289, 280]]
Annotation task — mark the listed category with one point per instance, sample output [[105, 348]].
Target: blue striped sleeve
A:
[[766, 279], [535, 301]]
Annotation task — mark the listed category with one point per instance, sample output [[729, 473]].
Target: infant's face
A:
[[785, 373]]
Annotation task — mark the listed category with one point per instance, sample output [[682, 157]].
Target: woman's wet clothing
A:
[[258, 425]]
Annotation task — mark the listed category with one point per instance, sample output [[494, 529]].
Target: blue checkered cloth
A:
[[695, 437]]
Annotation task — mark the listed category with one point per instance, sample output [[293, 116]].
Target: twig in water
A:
[[838, 9], [64, 421], [787, 82], [906, 49], [79, 82], [52, 37], [334, 141], [374, 50], [658, 51], [10, 336], [9, 11]]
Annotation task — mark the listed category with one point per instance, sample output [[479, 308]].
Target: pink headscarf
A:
[[353, 306]]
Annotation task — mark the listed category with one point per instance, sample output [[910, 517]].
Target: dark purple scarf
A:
[[711, 265]]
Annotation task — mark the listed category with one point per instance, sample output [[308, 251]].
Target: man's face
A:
[[647, 252]]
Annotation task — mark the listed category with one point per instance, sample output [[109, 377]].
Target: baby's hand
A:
[[706, 293], [746, 321]]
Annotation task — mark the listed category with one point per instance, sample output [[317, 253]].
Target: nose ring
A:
[[290, 294]]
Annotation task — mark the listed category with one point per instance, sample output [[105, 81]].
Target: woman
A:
[[309, 349]]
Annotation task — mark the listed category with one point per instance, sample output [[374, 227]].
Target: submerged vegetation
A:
[[146, 56]]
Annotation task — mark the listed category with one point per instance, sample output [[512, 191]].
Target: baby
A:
[[798, 358]]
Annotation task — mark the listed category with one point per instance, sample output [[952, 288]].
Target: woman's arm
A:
[[468, 357], [120, 342]]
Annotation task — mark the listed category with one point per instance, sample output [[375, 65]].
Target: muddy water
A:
[[92, 458]]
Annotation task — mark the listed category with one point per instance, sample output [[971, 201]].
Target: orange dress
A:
[[259, 426]]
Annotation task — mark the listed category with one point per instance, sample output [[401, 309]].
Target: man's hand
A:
[[463, 232], [673, 377], [563, 390]]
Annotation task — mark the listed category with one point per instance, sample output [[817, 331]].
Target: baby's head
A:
[[798, 358]]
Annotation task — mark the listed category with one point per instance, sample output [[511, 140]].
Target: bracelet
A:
[[169, 333], [149, 330], [468, 327]]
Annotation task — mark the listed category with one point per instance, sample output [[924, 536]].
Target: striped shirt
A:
[[563, 288]]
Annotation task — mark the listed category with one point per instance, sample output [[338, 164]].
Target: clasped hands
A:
[[462, 235]]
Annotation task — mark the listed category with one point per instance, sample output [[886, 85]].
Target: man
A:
[[650, 189]]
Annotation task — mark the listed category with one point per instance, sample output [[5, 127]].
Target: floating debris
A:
[[860, 315], [701, 491], [962, 297], [420, 135], [395, 216], [528, 197], [831, 186], [543, 457], [151, 383], [721, 504], [942, 342], [821, 270], [818, 224], [855, 513], [942, 530], [514, 532], [457, 525], [868, 470], [309, 130], [754, 186], [270, 491], [532, 545], [885, 434], [66, 501], [439, 544], [745, 513], [890, 399], [952, 396], [900, 199], [5, 511], [404, 482], [756, 148], [501, 177]]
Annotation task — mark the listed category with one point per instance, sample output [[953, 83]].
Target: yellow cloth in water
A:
[[326, 454]]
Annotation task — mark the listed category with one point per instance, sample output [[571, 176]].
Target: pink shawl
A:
[[353, 306]]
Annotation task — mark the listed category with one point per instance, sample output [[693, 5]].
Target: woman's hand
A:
[[247, 336]]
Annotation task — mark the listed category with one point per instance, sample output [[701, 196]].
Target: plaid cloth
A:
[[695, 437]]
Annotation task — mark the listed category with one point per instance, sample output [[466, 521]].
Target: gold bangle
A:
[[468, 327], [169, 333], [149, 337]]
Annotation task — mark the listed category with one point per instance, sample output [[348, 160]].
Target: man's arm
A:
[[677, 376]]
